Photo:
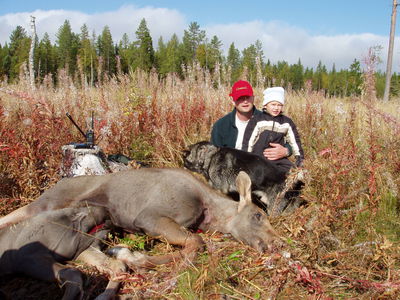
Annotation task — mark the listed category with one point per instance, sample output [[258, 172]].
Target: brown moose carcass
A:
[[161, 203]]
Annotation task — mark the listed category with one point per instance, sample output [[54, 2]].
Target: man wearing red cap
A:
[[229, 130]]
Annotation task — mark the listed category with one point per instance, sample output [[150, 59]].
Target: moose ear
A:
[[243, 186]]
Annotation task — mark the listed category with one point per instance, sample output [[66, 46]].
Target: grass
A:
[[343, 245]]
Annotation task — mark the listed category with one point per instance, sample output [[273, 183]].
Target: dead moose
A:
[[160, 203], [39, 247]]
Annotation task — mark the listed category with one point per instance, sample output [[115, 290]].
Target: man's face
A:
[[244, 104], [274, 108]]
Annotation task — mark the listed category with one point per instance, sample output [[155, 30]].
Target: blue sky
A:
[[335, 31]]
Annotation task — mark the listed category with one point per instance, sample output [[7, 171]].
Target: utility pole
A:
[[31, 53], [390, 52]]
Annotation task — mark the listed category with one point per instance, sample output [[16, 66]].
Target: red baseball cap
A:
[[241, 88]]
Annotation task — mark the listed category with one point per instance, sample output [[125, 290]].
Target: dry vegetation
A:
[[344, 244]]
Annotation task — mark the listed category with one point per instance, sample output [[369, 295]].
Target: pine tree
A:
[[341, 79], [128, 52], [202, 54], [4, 61], [214, 53], [174, 58], [260, 79], [168, 56], [192, 39], [18, 51], [209, 53], [249, 61], [297, 76], [106, 50], [67, 48], [45, 57], [320, 81], [333, 83], [234, 62], [308, 78], [282, 71], [269, 74], [259, 51], [145, 59], [124, 43], [354, 79], [123, 53], [87, 54], [161, 55]]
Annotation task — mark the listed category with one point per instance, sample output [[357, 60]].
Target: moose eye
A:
[[258, 216]]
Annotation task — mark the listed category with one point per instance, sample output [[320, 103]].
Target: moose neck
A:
[[219, 210]]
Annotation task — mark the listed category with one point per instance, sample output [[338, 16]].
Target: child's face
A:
[[274, 108]]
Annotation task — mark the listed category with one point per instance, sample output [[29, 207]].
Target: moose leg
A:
[[94, 257], [174, 234], [71, 279], [26, 212], [16, 216]]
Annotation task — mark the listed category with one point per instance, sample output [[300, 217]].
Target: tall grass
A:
[[352, 149]]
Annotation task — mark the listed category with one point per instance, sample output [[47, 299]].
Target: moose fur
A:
[[161, 203]]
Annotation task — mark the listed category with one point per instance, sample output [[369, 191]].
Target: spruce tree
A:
[[354, 79], [45, 57], [250, 55], [234, 62], [87, 54], [67, 48], [174, 58], [282, 72], [18, 51], [192, 39], [145, 59], [269, 73], [320, 81], [333, 83], [4, 61], [124, 53], [161, 55], [297, 76], [214, 53], [106, 50]]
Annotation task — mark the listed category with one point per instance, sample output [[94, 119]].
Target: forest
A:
[[89, 57]]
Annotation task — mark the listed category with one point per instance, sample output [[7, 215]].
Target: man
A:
[[229, 130]]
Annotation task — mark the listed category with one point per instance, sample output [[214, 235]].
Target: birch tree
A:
[[31, 53]]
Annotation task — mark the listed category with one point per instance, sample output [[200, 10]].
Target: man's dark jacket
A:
[[224, 132]]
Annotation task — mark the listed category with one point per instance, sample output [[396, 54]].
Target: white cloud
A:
[[281, 41], [160, 21], [284, 42]]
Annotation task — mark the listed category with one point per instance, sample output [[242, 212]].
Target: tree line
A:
[[89, 58]]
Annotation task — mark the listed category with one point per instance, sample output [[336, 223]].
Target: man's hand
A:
[[276, 152]]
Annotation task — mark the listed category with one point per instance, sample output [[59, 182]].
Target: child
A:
[[272, 127]]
